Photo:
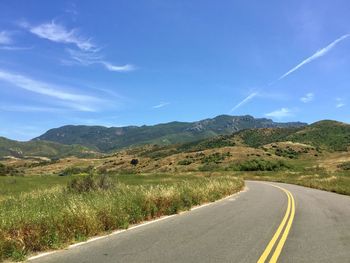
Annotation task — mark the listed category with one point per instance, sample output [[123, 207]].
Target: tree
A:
[[134, 161]]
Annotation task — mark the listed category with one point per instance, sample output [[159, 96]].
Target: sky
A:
[[143, 62]]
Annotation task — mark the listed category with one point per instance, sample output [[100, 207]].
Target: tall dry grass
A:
[[55, 218]]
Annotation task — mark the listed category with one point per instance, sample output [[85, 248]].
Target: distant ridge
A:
[[105, 139]]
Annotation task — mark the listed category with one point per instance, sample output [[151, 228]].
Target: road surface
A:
[[263, 223]]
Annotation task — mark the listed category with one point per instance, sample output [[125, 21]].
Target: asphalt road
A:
[[237, 229]]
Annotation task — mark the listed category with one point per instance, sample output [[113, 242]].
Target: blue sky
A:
[[120, 63]]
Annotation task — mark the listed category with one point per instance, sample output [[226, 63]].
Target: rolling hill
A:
[[108, 139], [42, 149], [324, 135]]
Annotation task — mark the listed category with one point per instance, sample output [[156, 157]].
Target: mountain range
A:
[[87, 141], [105, 139]]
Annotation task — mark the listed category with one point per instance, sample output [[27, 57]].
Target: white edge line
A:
[[245, 189]]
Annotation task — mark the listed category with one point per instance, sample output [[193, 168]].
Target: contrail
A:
[[244, 101], [318, 54]]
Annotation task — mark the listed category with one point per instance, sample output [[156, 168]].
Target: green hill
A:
[[324, 135], [41, 148], [327, 134], [107, 139]]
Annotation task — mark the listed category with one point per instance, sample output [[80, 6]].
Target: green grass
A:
[[14, 186], [332, 182], [58, 216]]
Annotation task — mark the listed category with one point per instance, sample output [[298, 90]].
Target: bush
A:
[[209, 167], [215, 157], [184, 162], [259, 165], [90, 183], [344, 166], [7, 170], [75, 170], [288, 153], [134, 162]]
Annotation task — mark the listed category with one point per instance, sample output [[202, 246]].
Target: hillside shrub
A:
[[259, 165], [215, 158], [134, 162], [344, 166], [75, 170], [7, 170], [185, 162]]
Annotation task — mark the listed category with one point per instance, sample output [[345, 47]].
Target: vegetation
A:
[[7, 170], [327, 135], [332, 182], [56, 217], [75, 170], [215, 158], [41, 148], [260, 137], [107, 139], [185, 162], [344, 166], [134, 161], [41, 210], [260, 165]]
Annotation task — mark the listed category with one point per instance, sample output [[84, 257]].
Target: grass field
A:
[[16, 185], [332, 182], [43, 213]]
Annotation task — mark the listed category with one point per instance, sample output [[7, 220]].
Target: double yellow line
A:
[[284, 227]]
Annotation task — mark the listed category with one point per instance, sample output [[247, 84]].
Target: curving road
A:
[[242, 228]]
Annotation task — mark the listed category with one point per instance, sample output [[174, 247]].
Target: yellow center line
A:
[[285, 233], [290, 212]]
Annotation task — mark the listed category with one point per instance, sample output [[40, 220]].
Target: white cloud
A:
[[244, 101], [318, 54], [308, 97], [86, 58], [161, 105], [58, 33], [5, 38], [14, 48], [30, 108], [87, 52], [123, 68], [339, 103], [73, 100], [279, 114]]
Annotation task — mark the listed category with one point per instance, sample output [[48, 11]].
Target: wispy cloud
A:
[[124, 68], [87, 52], [308, 97], [339, 103], [58, 33], [29, 108], [318, 54], [161, 105], [280, 114], [5, 38], [6, 42], [244, 101], [14, 48], [73, 100], [85, 58]]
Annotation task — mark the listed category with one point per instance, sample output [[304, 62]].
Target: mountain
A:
[[327, 135], [41, 148], [107, 139]]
